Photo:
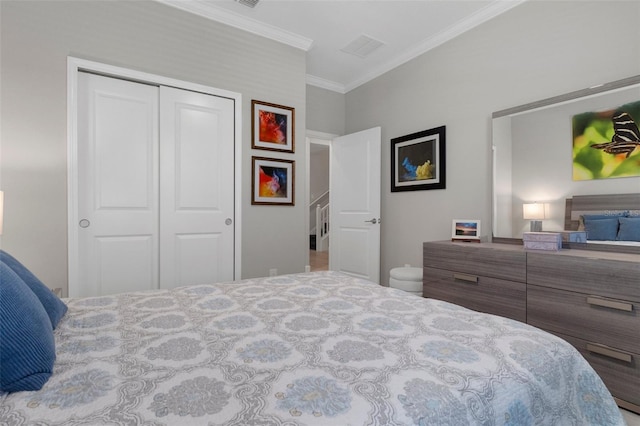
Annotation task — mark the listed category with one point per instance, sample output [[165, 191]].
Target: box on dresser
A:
[[574, 236], [542, 241]]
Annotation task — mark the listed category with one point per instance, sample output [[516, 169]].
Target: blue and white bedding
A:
[[307, 349]]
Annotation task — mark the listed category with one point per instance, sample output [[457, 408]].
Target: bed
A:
[[611, 222], [320, 348]]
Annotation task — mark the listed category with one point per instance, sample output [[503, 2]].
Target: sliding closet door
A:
[[118, 186], [197, 188], [155, 187]]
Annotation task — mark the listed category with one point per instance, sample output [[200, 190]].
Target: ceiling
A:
[[403, 29]]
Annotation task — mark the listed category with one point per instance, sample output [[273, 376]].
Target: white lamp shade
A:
[[533, 211]]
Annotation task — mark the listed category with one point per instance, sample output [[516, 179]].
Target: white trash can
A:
[[407, 279]]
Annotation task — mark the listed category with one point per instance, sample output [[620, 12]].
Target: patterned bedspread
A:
[[307, 349]]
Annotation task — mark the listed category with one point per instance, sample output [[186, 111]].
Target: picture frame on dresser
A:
[[465, 230]]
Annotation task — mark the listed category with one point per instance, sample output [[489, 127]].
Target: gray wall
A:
[[318, 173], [534, 51], [37, 37], [325, 111]]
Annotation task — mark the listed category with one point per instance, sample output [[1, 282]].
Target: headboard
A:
[[598, 204], [602, 204]]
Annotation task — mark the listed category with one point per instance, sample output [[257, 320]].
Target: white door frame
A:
[[323, 139], [74, 66]]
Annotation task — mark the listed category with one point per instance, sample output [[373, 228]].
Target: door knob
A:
[[84, 223], [228, 221]]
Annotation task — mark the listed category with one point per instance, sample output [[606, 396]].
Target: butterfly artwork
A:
[[606, 143], [626, 137]]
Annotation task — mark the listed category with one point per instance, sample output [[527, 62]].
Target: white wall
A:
[[534, 51], [37, 37]]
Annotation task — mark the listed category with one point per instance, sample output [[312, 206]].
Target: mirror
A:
[[533, 157]]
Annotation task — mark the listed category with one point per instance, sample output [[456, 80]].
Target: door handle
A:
[[84, 223], [374, 221]]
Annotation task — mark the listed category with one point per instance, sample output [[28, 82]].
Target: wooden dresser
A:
[[484, 277], [589, 298]]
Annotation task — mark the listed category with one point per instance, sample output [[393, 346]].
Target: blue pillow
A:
[[629, 229], [601, 229], [28, 349], [605, 215], [52, 304]]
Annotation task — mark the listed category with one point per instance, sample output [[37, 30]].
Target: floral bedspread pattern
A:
[[307, 349]]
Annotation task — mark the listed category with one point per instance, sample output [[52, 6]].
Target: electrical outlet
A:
[[307, 268], [273, 272]]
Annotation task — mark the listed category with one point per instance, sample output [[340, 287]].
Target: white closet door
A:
[[197, 188], [117, 186]]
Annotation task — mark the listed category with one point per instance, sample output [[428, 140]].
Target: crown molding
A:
[[322, 83], [491, 11], [206, 10]]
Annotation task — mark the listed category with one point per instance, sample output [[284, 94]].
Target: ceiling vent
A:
[[362, 46], [248, 3]]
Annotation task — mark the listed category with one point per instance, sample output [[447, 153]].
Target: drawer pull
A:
[[466, 278], [610, 303], [609, 352]]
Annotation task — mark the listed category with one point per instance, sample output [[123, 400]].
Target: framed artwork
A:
[[272, 127], [272, 181], [465, 230], [418, 161], [606, 144]]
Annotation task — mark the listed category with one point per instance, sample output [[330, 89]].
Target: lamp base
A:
[[536, 226]]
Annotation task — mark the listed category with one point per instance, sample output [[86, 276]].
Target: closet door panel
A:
[[197, 155], [126, 263], [197, 181], [117, 186], [197, 257]]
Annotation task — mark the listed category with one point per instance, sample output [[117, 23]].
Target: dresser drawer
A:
[[487, 260], [610, 322], [621, 377], [484, 294], [585, 273]]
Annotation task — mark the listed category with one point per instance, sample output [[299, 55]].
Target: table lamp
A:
[[535, 213]]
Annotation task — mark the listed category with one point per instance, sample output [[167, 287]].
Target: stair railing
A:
[[322, 227]]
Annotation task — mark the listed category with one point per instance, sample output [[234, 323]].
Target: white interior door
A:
[[197, 190], [117, 216], [355, 204]]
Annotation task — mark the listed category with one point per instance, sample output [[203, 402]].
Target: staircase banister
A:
[[315, 201]]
